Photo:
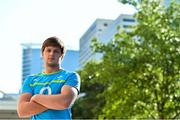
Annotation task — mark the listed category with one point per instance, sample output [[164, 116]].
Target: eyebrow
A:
[[57, 49]]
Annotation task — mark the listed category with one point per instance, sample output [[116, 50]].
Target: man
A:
[[50, 94]]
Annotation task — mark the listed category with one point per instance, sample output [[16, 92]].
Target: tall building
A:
[[70, 61], [123, 22], [104, 31], [110, 28], [32, 62], [95, 30]]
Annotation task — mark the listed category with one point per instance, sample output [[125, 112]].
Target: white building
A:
[[95, 31], [104, 31], [123, 22]]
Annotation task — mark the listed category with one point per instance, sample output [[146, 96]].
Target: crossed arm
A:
[[29, 105], [27, 108]]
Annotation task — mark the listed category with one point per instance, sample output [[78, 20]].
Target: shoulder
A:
[[32, 76], [73, 80], [70, 74], [35, 75]]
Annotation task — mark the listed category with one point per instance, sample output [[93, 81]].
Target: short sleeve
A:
[[26, 86], [74, 81]]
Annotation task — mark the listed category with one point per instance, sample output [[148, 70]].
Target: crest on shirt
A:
[[47, 88]]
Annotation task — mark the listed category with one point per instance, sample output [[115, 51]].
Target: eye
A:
[[48, 50], [57, 51]]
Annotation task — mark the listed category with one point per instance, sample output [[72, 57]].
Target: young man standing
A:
[[50, 94]]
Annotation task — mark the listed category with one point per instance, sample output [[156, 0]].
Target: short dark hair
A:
[[53, 41]]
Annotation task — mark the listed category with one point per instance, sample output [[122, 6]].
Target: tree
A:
[[90, 106], [139, 71]]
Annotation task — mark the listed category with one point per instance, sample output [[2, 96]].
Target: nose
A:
[[51, 53]]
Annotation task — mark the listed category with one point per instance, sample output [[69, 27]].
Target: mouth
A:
[[51, 58]]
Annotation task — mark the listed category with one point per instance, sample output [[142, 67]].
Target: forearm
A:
[[26, 109], [57, 102], [60, 101]]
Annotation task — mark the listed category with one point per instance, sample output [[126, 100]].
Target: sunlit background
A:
[[32, 21]]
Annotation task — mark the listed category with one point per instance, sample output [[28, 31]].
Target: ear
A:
[[61, 57]]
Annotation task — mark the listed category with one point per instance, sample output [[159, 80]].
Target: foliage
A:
[[139, 75], [91, 105]]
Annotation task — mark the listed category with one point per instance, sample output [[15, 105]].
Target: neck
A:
[[51, 69]]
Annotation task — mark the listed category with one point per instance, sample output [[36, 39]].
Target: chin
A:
[[52, 64]]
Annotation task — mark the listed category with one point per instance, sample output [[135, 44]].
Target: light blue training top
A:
[[51, 84]]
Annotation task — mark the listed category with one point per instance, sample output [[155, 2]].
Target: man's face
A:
[[51, 55]]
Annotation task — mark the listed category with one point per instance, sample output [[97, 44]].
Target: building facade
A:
[[104, 31], [95, 31], [70, 61], [31, 59], [122, 23]]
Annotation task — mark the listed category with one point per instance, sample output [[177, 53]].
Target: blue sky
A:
[[32, 21]]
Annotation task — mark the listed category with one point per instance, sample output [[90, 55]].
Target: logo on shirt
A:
[[35, 79], [59, 77], [47, 88]]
